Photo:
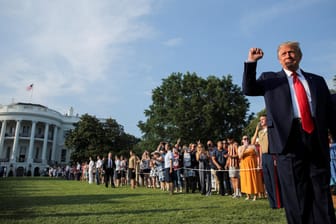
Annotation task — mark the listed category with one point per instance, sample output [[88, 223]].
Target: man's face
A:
[[262, 121], [209, 143], [289, 57], [193, 147]]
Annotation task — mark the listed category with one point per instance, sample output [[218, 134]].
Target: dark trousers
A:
[[227, 182], [195, 182], [304, 175], [220, 176], [271, 180], [187, 184], [109, 177], [97, 176]]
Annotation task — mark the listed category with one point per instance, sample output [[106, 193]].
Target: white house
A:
[[32, 138]]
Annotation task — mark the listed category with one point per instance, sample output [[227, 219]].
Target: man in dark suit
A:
[[297, 137], [109, 171]]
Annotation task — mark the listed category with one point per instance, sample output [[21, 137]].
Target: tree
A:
[[92, 137], [334, 90], [116, 138], [192, 108], [86, 138]]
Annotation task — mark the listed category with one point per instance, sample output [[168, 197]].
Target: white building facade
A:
[[32, 138]]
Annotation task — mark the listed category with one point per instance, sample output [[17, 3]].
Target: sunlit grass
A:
[[44, 200]]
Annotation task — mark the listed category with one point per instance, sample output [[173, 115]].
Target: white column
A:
[[16, 141], [2, 137], [31, 142], [53, 151], [45, 143]]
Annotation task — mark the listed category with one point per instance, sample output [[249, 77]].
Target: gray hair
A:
[[293, 44]]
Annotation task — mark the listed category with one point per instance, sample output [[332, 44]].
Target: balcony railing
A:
[[4, 160], [21, 159], [24, 135]]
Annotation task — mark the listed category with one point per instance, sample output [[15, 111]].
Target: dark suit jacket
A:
[[274, 87], [105, 165]]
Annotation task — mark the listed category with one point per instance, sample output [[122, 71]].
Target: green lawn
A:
[[44, 200]]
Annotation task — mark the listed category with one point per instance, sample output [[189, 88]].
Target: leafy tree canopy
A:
[[92, 137], [192, 108], [334, 90]]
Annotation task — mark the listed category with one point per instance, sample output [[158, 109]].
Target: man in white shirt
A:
[[98, 169], [169, 167]]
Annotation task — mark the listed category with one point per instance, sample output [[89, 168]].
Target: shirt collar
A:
[[289, 73]]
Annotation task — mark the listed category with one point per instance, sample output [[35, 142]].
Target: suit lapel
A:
[[287, 92]]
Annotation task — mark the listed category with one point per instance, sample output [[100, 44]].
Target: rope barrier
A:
[[207, 170], [226, 170]]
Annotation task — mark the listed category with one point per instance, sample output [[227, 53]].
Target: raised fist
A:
[[255, 54]]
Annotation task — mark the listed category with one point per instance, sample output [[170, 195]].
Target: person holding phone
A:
[[268, 164]]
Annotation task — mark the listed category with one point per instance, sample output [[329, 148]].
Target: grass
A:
[[44, 200]]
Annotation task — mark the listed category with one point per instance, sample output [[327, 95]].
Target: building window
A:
[[63, 155], [8, 152], [23, 150], [25, 131], [39, 132], [22, 155], [50, 134], [49, 155], [11, 131], [37, 152]]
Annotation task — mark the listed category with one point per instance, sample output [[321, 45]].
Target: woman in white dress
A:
[[91, 168]]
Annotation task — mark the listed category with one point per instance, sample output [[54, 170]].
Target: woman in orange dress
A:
[[250, 177]]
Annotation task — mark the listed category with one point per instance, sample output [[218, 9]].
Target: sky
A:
[[105, 57]]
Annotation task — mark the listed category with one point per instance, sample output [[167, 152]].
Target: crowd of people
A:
[[225, 168], [179, 168]]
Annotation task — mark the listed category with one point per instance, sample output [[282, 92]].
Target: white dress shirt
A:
[[292, 91]]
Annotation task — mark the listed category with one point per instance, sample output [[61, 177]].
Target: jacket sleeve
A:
[[251, 86]]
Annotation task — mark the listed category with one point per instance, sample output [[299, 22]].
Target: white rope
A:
[[207, 170], [237, 169]]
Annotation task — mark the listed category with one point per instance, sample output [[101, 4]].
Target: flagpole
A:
[[31, 95]]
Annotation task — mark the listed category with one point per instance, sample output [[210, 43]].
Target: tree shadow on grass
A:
[[30, 201], [23, 207], [73, 213]]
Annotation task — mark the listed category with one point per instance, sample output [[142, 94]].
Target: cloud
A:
[[67, 45], [173, 42]]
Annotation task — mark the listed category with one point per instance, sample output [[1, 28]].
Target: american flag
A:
[[30, 87]]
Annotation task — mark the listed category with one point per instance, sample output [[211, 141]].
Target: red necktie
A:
[[301, 95]]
